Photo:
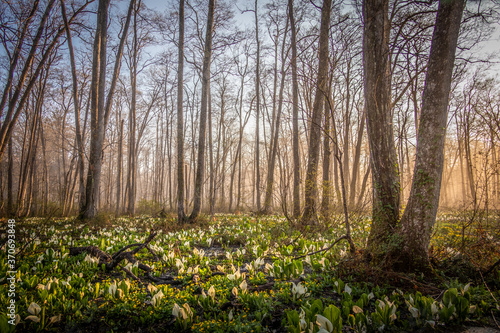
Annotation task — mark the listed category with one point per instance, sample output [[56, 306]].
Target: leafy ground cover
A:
[[240, 273]]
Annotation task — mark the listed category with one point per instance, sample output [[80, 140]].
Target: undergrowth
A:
[[240, 273]]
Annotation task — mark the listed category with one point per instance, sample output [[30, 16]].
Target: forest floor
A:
[[241, 273]]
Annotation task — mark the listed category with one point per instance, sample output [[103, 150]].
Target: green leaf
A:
[[333, 314]]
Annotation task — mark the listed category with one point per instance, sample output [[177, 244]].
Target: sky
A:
[[490, 46]]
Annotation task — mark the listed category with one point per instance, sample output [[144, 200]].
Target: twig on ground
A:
[[493, 316], [322, 250], [111, 261], [162, 281], [125, 248], [492, 267], [482, 277], [155, 256], [126, 270]]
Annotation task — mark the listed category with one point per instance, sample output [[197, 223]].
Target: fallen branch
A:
[[111, 261], [126, 270], [94, 251], [492, 267], [493, 316], [322, 250], [260, 287], [169, 281]]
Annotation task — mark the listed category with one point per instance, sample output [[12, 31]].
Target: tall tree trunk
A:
[[18, 100], [7, 91], [295, 114], [10, 179], [212, 168], [420, 213], [326, 184], [133, 151], [237, 159], [11, 117], [89, 208], [468, 161], [356, 162], [180, 121], [100, 110], [462, 174], [275, 132], [257, 112], [384, 168], [25, 177], [76, 102], [45, 191], [200, 169], [119, 169], [311, 190]]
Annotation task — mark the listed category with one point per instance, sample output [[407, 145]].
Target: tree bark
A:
[[132, 158], [119, 169], [420, 213], [327, 152], [181, 215], [275, 132], [76, 102], [356, 163], [200, 168], [10, 179], [89, 208], [295, 115], [11, 116], [310, 195], [99, 110], [257, 113], [385, 175]]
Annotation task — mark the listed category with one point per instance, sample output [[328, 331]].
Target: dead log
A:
[[111, 261]]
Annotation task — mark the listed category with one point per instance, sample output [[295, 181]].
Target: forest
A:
[[250, 166]]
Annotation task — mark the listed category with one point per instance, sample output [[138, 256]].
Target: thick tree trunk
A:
[[89, 208], [311, 190], [200, 169], [100, 110], [420, 213], [385, 175]]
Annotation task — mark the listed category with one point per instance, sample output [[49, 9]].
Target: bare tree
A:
[[200, 169], [257, 110], [100, 108], [383, 161], [295, 114], [89, 207], [310, 193], [404, 244], [273, 150], [180, 122]]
